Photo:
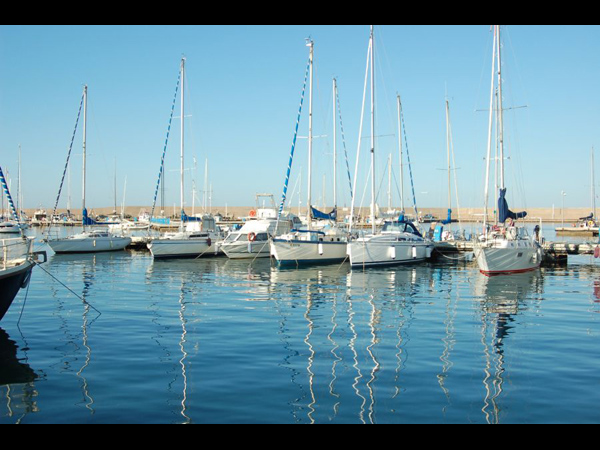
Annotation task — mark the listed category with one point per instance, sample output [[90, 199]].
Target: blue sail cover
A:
[[185, 218], [316, 214], [449, 219], [87, 220], [504, 213]]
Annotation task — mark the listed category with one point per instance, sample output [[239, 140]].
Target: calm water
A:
[[214, 341]]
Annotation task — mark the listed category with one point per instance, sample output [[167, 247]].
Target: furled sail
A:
[[316, 214], [504, 213], [449, 219]]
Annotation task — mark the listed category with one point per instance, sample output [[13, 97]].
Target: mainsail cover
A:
[[316, 214], [504, 213], [185, 218], [87, 220], [449, 219]]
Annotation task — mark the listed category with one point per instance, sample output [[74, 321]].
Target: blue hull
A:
[[10, 286]]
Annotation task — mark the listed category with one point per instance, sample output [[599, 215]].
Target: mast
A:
[[593, 186], [500, 111], [20, 192], [84, 212], [489, 144], [334, 145], [390, 183], [182, 139], [401, 157], [448, 148], [373, 187], [311, 45]]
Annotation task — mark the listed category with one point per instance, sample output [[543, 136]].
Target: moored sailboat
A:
[[16, 261], [92, 241], [503, 248], [322, 242], [188, 242], [399, 241]]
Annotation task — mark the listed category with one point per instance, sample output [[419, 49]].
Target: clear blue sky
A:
[[244, 86]]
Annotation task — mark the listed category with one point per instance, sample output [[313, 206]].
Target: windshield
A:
[[400, 227]]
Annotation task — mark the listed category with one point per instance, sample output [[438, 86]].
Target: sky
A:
[[243, 86]]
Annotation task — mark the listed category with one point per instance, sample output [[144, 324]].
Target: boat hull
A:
[[100, 245], [247, 250], [11, 281], [179, 248], [296, 252], [387, 252], [508, 260]]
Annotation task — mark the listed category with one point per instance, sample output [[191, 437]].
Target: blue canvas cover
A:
[[504, 213], [185, 218], [316, 214], [87, 220], [449, 219]]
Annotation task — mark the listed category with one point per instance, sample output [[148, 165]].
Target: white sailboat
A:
[[399, 241], [503, 248], [322, 243], [93, 241], [189, 241]]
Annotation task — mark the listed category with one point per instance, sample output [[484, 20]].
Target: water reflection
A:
[[89, 270], [17, 381], [502, 299]]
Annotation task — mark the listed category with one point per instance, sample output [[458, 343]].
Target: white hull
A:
[[387, 250], [308, 252], [508, 257], [89, 245], [179, 248], [246, 250]]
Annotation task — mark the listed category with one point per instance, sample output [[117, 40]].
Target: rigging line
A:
[[69, 289], [412, 184], [24, 302], [162, 161], [344, 144], [62, 181], [289, 169], [9, 199]]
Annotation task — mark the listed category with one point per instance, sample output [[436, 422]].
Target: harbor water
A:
[[219, 341]]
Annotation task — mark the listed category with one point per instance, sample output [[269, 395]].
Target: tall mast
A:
[[401, 156], [334, 121], [489, 144], [311, 45], [390, 183], [448, 148], [182, 130], [84, 143], [593, 186], [500, 111], [19, 193], [373, 187]]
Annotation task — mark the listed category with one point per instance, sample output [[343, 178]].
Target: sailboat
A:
[[94, 240], [503, 248], [446, 240], [399, 241], [189, 241], [321, 242], [16, 260], [13, 226]]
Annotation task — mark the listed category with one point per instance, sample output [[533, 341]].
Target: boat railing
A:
[[14, 251]]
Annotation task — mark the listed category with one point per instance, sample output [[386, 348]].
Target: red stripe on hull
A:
[[508, 272]]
